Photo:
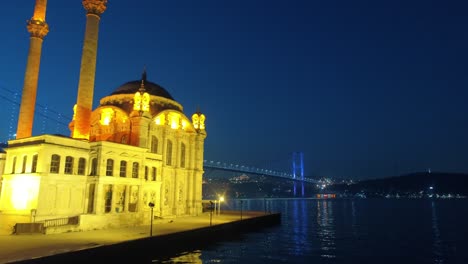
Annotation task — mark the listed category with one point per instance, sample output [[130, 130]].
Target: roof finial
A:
[[143, 76], [143, 80]]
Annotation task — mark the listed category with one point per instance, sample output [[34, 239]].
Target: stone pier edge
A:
[[165, 245]]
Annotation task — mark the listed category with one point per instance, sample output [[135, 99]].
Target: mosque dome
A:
[[123, 97], [152, 88]]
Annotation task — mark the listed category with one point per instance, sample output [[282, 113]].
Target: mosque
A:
[[135, 155]]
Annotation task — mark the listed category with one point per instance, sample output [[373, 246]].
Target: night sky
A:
[[364, 89]]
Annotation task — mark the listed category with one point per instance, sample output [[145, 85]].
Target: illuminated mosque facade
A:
[[136, 149]]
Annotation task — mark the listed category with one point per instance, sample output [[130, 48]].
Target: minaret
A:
[[84, 102], [38, 29]]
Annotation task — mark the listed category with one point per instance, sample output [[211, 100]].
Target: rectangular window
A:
[[154, 144], [133, 199], [123, 168], [153, 174], [81, 166], [182, 155], [68, 165], [34, 164], [110, 167], [135, 170], [55, 164], [107, 198], [13, 166], [93, 167], [169, 153], [23, 168], [120, 196], [146, 173]]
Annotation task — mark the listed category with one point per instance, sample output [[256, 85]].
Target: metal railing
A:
[[29, 228], [74, 220], [40, 226]]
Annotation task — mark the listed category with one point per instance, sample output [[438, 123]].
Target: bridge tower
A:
[[298, 165]]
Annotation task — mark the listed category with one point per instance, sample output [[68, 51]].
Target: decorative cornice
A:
[[37, 28], [95, 7]]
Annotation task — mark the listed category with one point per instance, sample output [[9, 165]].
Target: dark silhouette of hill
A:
[[442, 183]]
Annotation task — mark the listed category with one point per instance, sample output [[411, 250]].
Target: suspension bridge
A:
[[210, 164], [53, 120]]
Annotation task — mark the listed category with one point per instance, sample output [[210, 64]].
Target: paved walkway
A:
[[21, 247]]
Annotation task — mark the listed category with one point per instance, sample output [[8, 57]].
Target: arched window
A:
[[123, 140], [123, 168], [68, 165], [55, 163], [34, 163], [154, 144], [135, 170], [93, 167], [23, 168], [182, 155], [110, 167], [81, 166], [169, 152]]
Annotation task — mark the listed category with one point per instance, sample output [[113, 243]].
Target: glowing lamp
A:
[[25, 190], [106, 116], [174, 120], [198, 120], [159, 120], [141, 101]]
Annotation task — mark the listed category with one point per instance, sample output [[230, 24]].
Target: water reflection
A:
[[296, 228], [186, 257], [437, 243], [353, 219], [323, 231], [300, 240], [325, 228], [295, 187]]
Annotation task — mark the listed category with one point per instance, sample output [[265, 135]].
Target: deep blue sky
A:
[[365, 89]]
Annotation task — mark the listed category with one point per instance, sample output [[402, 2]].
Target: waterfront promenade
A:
[[15, 248]]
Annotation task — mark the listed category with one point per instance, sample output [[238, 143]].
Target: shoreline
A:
[[170, 236]]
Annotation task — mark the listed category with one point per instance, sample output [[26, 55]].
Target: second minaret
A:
[[84, 103]]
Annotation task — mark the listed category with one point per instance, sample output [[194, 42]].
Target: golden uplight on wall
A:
[[106, 116], [24, 192]]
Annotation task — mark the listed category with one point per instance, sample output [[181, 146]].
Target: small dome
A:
[[151, 88]]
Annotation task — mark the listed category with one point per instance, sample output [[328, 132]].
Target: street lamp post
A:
[[241, 201], [211, 212], [33, 215], [221, 199], [151, 205]]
